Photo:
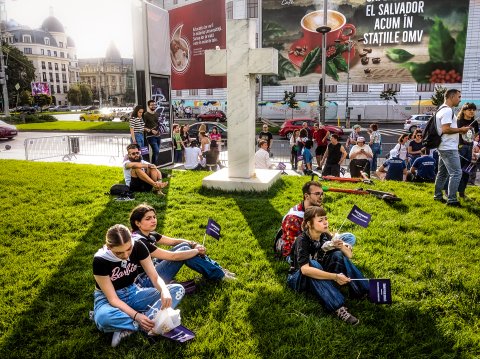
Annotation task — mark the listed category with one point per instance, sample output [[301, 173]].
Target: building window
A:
[[52, 88], [393, 87], [64, 77], [46, 41], [26, 38], [42, 51], [58, 89], [209, 92], [60, 44], [300, 89], [331, 88], [425, 87], [49, 65], [56, 66], [49, 53], [230, 10], [44, 76], [175, 2], [62, 54], [43, 65], [65, 90], [359, 88], [27, 50], [57, 77], [193, 92], [252, 9], [50, 76], [63, 67], [178, 93], [55, 53]]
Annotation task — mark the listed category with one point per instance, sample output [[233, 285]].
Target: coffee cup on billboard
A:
[[340, 30]]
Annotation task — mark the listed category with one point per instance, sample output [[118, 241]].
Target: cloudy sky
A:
[[92, 24]]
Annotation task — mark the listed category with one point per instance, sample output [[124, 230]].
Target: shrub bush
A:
[[18, 119]]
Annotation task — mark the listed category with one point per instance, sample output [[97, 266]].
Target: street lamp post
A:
[[324, 30]]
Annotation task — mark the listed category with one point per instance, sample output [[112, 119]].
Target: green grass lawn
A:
[[54, 218], [75, 126]]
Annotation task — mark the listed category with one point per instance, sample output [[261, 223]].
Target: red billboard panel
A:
[[195, 28]]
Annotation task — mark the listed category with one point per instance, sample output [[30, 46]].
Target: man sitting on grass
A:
[[393, 169], [140, 175], [292, 222]]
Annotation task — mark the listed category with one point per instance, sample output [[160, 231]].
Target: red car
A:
[[212, 115], [296, 124], [7, 131]]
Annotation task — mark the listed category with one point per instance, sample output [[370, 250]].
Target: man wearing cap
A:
[[360, 156], [394, 169], [266, 135]]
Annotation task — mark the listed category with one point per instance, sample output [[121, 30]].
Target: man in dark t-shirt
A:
[[334, 157], [393, 169], [423, 169], [266, 135]]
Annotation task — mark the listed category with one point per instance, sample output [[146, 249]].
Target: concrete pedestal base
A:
[[263, 180]]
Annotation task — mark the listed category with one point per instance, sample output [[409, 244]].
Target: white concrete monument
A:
[[241, 62]]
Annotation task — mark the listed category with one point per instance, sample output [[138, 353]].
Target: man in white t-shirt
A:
[[449, 169], [262, 157], [193, 157]]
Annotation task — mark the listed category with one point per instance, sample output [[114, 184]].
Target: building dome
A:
[[70, 42], [51, 24], [112, 53]]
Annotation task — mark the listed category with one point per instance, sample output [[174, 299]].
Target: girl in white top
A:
[[401, 147]]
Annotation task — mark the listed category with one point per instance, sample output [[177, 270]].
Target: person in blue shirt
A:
[[307, 157], [423, 168], [392, 169]]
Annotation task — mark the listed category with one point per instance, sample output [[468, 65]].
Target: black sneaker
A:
[[454, 204], [443, 200], [344, 315]]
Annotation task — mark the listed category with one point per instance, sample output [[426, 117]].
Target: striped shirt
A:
[[137, 124]]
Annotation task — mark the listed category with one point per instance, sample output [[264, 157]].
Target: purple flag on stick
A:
[[359, 217], [179, 334], [213, 229], [380, 291]]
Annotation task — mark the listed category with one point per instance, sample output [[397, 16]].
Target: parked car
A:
[[414, 121], [62, 108], [212, 115], [27, 109], [7, 131], [296, 124], [222, 129], [96, 115]]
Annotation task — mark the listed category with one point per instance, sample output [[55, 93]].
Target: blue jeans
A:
[[168, 269], [139, 139], [144, 300], [178, 154], [325, 290], [449, 170], [465, 153], [376, 152], [154, 143]]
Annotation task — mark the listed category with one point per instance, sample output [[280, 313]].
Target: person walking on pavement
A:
[[150, 117]]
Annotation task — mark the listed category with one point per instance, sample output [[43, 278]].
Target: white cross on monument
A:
[[241, 62]]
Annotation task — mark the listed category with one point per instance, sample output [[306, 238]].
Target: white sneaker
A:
[[229, 276], [118, 336]]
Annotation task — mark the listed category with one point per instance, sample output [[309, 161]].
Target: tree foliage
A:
[[42, 100], [438, 98], [19, 70], [25, 98], [86, 95], [74, 96]]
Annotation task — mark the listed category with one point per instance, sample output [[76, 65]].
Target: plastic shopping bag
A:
[[165, 321]]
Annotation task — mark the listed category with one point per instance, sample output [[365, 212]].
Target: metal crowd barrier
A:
[[68, 146]]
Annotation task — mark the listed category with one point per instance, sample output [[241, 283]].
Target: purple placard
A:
[[380, 291], [179, 334], [359, 217], [213, 229]]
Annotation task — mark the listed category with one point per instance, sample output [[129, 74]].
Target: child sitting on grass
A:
[[321, 271]]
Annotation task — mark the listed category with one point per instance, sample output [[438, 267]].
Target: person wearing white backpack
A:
[[120, 306]]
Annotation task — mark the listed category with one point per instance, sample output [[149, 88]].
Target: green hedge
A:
[[18, 119]]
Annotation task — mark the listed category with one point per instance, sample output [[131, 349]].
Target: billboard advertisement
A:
[[375, 41], [40, 88], [195, 28]]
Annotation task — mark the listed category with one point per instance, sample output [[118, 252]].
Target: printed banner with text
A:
[[195, 28], [376, 41]]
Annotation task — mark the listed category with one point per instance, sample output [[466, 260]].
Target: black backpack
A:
[[121, 190], [430, 137]]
